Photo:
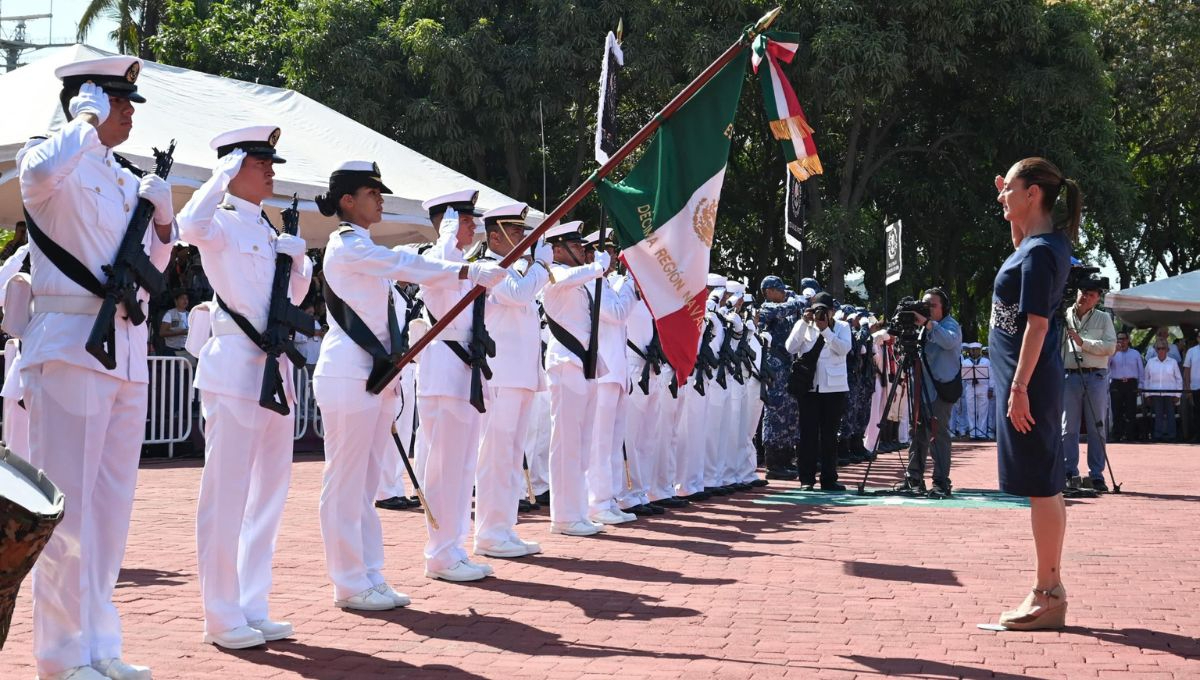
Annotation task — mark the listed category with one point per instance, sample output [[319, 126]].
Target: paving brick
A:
[[727, 589]]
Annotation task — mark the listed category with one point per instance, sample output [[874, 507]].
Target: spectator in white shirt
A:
[[1163, 334], [1162, 373], [174, 327]]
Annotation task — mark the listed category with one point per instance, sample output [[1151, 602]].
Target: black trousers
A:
[[1123, 394], [820, 414]]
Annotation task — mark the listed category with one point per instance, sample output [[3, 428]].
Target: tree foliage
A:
[[917, 105]]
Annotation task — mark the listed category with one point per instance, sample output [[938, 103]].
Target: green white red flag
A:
[[665, 211]]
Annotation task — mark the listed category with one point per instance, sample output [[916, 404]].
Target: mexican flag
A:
[[664, 212]]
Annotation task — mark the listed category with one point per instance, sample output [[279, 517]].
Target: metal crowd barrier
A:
[[171, 401]]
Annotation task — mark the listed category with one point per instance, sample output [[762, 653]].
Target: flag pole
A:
[[581, 191]]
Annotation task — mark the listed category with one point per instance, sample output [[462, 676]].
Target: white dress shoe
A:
[[575, 528], [369, 600], [398, 599], [611, 517], [241, 637], [272, 630], [76, 673], [485, 568], [116, 669], [629, 516], [508, 549], [461, 571]]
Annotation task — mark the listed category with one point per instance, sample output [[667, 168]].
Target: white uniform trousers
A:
[[537, 443], [642, 440], [690, 440], [605, 462], [85, 431], [247, 468], [716, 409], [572, 412], [16, 427], [394, 474], [499, 479], [662, 463], [450, 430], [732, 433], [357, 432], [751, 414]]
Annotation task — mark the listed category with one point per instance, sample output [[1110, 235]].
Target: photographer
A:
[[1088, 341], [941, 343], [819, 380]]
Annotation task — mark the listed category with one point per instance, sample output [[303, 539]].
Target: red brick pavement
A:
[[729, 589]]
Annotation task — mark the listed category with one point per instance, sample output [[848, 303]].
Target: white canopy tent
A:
[[192, 108], [1174, 301]]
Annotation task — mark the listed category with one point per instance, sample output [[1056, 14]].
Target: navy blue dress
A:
[[1031, 281]]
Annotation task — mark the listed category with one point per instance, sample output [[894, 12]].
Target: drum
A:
[[30, 507]]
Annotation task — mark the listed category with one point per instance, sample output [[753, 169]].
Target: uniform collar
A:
[[245, 209]]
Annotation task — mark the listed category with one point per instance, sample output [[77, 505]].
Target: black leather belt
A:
[[1085, 370]]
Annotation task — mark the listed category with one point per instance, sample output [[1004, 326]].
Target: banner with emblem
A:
[[607, 141], [793, 212], [664, 212], [894, 252]]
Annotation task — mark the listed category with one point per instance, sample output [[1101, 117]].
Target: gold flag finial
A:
[[620, 30], [765, 22]]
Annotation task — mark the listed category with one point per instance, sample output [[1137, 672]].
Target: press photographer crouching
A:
[[940, 343], [819, 382], [1090, 339]]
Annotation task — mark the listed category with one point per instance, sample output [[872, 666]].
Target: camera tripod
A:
[[1093, 419], [909, 373]]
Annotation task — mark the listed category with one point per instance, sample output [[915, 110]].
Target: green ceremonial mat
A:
[[961, 498]]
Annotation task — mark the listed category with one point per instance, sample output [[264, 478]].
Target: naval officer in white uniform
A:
[[86, 422], [247, 447], [363, 340]]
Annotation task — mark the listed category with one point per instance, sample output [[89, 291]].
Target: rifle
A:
[[705, 360], [130, 270], [481, 347], [282, 319], [727, 358], [383, 371]]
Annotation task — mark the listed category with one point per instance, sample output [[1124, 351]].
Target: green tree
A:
[[137, 21]]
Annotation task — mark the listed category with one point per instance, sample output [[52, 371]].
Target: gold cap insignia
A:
[[132, 73], [274, 138]]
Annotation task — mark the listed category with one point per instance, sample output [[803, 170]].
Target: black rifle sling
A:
[[357, 329], [564, 337], [459, 350], [64, 261]]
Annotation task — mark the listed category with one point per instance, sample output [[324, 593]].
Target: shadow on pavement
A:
[[1143, 638], [513, 636], [596, 603], [333, 663], [622, 570], [150, 577], [921, 668], [903, 572], [697, 547]]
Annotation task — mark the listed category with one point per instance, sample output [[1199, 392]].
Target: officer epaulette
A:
[[344, 229], [226, 206]]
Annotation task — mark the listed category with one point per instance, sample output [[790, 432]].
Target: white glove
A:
[[292, 246], [603, 259], [228, 166], [486, 274], [156, 190], [91, 99], [543, 253]]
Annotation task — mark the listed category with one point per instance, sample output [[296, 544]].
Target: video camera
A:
[[1080, 277], [903, 323]]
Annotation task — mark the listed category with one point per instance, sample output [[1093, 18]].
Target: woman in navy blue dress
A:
[[1043, 210]]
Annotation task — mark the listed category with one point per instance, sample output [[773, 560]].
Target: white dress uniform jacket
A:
[[238, 249], [361, 274], [512, 320], [68, 181], [568, 301]]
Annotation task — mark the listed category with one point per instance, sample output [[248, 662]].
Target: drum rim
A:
[[38, 478]]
